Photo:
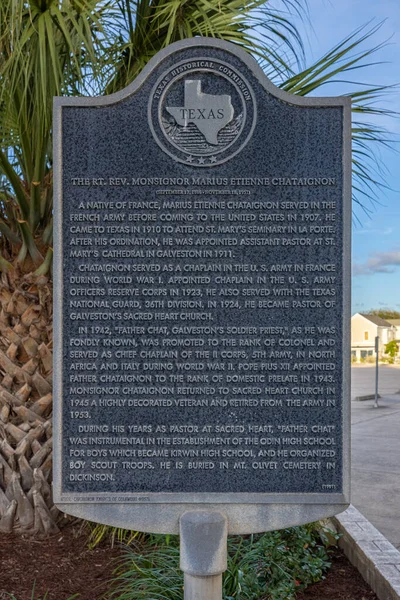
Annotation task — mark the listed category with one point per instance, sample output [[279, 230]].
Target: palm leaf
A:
[[345, 57], [92, 47], [47, 49], [148, 26]]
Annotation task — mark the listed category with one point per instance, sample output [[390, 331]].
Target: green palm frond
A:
[[150, 25], [47, 48], [92, 47], [367, 103]]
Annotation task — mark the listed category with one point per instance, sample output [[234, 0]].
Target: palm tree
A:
[[85, 47]]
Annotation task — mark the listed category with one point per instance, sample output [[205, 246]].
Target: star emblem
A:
[[201, 160], [189, 159], [213, 159]]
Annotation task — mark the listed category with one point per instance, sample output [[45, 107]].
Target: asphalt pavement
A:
[[375, 472]]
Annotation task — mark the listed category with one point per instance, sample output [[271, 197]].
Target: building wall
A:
[[363, 333], [387, 335], [361, 326]]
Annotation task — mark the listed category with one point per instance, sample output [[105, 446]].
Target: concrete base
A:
[[366, 397], [204, 538]]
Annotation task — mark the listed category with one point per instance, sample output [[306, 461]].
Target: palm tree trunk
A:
[[26, 405]]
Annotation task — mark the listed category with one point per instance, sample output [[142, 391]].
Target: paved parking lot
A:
[[363, 380], [376, 449]]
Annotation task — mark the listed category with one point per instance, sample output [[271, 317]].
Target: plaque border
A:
[[160, 512]]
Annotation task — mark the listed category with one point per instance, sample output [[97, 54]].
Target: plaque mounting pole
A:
[[203, 554], [376, 405]]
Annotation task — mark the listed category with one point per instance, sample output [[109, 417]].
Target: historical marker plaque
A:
[[202, 297]]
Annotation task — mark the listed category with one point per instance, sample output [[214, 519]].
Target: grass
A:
[[99, 532], [271, 566], [7, 596]]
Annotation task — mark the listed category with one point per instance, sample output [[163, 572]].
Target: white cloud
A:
[[380, 262], [387, 231]]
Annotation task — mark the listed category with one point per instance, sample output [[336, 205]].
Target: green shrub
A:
[[392, 348], [271, 566]]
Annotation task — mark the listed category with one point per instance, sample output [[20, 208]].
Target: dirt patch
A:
[[343, 582], [62, 565]]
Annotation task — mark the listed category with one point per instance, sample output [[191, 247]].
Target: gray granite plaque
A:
[[202, 297]]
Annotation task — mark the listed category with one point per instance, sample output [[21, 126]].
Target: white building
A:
[[395, 323], [364, 330]]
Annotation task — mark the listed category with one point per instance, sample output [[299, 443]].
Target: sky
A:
[[376, 238]]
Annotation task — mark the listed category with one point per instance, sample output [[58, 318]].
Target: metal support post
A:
[[203, 554], [376, 371]]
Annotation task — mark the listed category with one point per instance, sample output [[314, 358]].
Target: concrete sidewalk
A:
[[376, 456]]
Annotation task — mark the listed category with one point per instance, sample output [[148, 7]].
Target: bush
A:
[[392, 348], [272, 566]]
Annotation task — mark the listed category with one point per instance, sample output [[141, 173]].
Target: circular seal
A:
[[202, 112]]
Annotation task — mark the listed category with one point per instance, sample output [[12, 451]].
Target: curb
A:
[[367, 397], [370, 552]]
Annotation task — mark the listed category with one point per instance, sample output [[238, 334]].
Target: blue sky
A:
[[376, 241]]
